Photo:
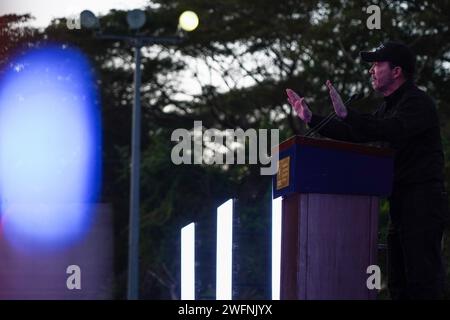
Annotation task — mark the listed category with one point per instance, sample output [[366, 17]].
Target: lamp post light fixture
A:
[[136, 19], [88, 20], [188, 21]]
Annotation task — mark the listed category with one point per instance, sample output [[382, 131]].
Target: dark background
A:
[[256, 49]]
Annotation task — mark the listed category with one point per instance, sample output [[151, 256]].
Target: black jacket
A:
[[408, 122]]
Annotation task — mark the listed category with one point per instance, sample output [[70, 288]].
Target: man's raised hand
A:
[[299, 105], [338, 105]]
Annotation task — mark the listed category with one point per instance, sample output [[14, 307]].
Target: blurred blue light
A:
[[50, 147]]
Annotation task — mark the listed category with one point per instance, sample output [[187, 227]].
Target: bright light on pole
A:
[[188, 21]]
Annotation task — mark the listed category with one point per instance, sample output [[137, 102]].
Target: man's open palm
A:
[[299, 105], [338, 104]]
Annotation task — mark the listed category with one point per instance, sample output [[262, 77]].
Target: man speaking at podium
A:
[[408, 122]]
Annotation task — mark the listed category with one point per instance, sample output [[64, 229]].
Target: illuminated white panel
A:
[[224, 251], [188, 262], [276, 247]]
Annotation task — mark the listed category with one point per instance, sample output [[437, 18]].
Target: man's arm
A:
[[335, 129], [413, 116], [339, 130]]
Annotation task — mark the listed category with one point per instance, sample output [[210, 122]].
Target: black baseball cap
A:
[[397, 53]]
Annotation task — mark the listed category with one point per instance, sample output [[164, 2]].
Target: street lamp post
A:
[[188, 21], [133, 253]]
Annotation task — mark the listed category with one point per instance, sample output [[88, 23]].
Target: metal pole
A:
[[133, 250]]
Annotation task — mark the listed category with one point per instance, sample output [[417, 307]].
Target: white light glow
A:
[[188, 262], [276, 247], [188, 21], [224, 254]]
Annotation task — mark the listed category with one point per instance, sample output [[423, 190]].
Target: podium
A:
[[330, 203]]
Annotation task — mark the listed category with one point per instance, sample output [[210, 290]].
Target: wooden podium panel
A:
[[333, 244], [330, 209]]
